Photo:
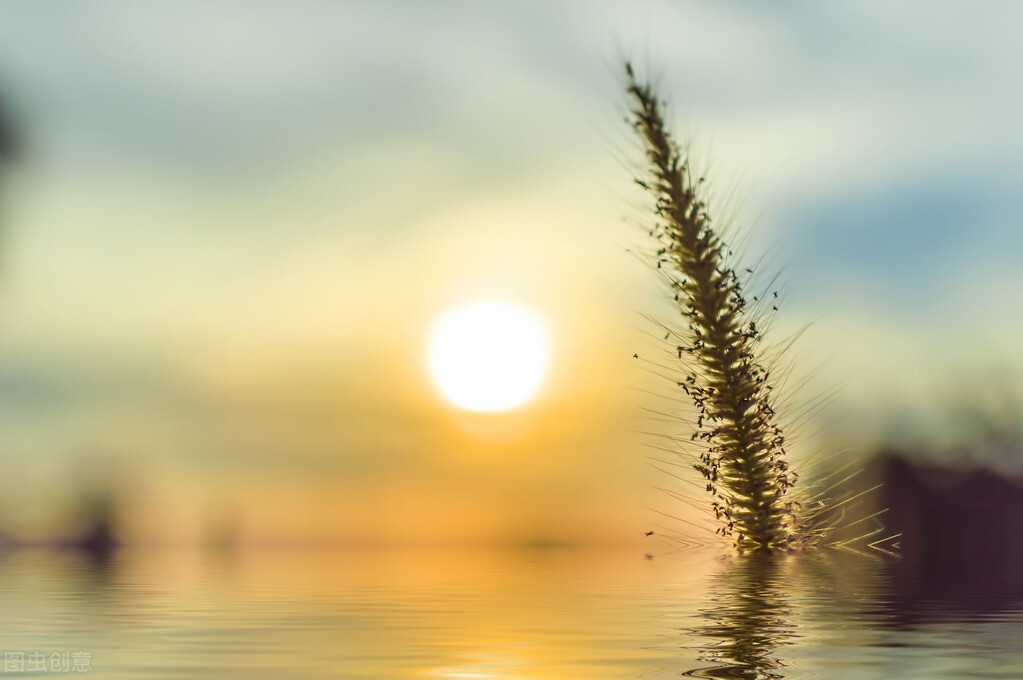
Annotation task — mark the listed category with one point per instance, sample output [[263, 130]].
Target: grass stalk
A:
[[743, 458]]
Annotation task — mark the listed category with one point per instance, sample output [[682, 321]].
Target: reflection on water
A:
[[750, 618], [514, 615]]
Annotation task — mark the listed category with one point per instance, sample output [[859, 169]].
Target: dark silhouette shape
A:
[[9, 144], [98, 538], [961, 543], [9, 150]]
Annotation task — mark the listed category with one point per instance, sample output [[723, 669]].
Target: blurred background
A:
[[229, 229]]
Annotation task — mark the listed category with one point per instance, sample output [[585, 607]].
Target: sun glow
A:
[[488, 357]]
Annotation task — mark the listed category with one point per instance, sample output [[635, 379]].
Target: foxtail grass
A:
[[743, 459]]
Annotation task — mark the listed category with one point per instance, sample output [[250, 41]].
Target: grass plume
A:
[[743, 460]]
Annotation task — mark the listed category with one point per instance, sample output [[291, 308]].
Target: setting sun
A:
[[488, 357]]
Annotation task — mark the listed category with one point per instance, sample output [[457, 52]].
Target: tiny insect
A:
[[649, 533]]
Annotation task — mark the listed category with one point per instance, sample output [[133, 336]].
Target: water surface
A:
[[555, 614]]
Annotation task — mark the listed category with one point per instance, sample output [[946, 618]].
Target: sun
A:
[[488, 357]]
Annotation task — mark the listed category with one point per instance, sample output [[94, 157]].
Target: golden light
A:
[[488, 357]]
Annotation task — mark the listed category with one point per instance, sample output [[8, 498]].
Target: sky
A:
[[233, 226]]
